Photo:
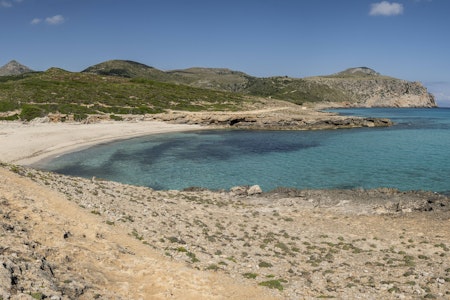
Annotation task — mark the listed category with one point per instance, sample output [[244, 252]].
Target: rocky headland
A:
[[366, 88]]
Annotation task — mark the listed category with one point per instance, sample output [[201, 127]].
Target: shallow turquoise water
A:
[[414, 154]]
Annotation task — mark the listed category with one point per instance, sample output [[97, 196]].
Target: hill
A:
[[80, 94], [210, 78], [14, 68], [360, 87], [127, 69], [357, 72]]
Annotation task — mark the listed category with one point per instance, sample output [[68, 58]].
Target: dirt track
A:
[[52, 247], [86, 237]]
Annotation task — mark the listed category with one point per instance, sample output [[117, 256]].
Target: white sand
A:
[[25, 144]]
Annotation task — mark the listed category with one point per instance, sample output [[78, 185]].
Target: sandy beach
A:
[[72, 238], [27, 143]]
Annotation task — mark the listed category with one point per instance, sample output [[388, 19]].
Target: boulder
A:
[[254, 190]]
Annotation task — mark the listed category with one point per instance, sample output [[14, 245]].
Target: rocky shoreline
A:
[[268, 115], [284, 118], [298, 244]]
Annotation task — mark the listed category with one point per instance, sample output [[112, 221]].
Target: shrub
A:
[[116, 118], [80, 117], [264, 264], [8, 106], [10, 118], [272, 284], [212, 267], [30, 112]]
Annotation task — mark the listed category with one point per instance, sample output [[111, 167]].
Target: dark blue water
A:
[[412, 155]]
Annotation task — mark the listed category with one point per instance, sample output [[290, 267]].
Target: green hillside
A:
[[284, 88], [57, 91], [127, 69], [298, 91]]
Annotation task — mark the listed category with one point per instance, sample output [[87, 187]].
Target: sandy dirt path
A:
[[117, 265]]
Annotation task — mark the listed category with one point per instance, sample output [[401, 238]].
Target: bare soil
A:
[[66, 237]]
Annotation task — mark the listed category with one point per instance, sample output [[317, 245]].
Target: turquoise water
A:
[[412, 155]]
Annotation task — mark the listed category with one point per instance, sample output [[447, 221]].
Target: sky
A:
[[407, 39]]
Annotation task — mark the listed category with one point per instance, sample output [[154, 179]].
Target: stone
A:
[[238, 190], [5, 281], [254, 190]]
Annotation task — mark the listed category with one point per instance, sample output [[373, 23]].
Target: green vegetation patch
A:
[[273, 284], [81, 94], [298, 91]]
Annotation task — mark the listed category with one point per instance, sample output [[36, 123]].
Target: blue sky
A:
[[407, 39]]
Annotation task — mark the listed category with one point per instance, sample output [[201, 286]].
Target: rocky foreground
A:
[[346, 244]]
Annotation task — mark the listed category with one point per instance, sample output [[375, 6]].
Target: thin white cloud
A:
[[8, 4], [385, 8], [35, 21], [55, 20], [5, 4]]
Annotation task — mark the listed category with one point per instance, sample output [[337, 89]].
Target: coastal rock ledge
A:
[[273, 119]]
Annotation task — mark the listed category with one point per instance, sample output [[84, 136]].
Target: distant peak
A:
[[14, 63], [14, 68], [359, 71]]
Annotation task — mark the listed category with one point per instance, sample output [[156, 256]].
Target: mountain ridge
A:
[[353, 87]]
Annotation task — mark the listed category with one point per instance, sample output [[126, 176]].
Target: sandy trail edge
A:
[[136, 273], [25, 144]]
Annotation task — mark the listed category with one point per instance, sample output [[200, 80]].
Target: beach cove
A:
[[410, 155], [300, 244]]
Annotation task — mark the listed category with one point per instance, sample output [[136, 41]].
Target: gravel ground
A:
[[296, 244]]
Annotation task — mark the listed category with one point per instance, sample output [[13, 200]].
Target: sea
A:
[[414, 154]]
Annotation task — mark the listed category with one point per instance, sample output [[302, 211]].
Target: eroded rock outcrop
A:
[[286, 118], [368, 88]]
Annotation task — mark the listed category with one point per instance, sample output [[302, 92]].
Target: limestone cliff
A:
[[366, 88]]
